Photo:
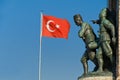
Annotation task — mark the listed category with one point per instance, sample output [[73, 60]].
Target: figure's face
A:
[[78, 21]]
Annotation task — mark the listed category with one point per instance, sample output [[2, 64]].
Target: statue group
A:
[[100, 50]]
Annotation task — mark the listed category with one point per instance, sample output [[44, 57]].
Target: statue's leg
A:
[[100, 59], [92, 45], [108, 51], [92, 57], [84, 60]]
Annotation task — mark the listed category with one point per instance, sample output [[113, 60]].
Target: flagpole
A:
[[40, 52]]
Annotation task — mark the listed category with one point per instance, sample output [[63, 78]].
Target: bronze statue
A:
[[107, 37], [89, 37]]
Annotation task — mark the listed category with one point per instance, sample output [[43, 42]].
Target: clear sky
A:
[[20, 33]]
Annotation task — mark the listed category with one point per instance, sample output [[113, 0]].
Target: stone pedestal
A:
[[98, 78], [118, 78], [106, 75]]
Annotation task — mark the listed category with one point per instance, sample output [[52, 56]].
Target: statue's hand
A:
[[93, 21], [113, 40]]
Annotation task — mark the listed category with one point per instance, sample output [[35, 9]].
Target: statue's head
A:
[[78, 19], [103, 13]]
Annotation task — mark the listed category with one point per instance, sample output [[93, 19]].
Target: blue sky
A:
[[20, 33]]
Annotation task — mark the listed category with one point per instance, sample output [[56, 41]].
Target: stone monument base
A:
[[97, 76]]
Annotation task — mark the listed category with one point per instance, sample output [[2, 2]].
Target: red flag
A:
[[55, 27]]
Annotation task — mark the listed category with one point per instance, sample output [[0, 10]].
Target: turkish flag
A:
[[55, 27]]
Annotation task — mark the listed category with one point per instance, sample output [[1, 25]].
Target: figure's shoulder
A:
[[106, 21], [85, 24]]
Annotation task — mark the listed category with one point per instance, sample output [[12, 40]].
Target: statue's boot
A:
[[96, 64], [112, 59], [85, 66], [100, 63]]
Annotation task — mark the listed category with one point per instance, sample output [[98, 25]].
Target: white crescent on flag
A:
[[48, 27]]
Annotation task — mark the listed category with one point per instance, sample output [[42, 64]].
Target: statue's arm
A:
[[82, 31], [95, 21], [110, 27]]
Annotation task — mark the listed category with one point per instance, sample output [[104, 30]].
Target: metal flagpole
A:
[[40, 52]]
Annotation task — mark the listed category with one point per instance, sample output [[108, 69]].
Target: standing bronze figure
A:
[[89, 37], [107, 37]]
